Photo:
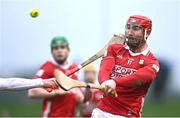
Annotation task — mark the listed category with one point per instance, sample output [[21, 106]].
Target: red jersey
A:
[[57, 106], [87, 108], [125, 67]]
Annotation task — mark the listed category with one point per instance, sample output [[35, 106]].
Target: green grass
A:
[[167, 109], [21, 110]]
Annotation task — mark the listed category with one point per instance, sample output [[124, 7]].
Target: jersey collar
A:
[[144, 52]]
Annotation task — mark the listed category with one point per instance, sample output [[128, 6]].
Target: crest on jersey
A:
[[130, 60], [141, 61], [119, 56]]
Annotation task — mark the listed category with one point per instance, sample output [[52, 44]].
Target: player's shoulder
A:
[[47, 64], [45, 69], [115, 47], [151, 59], [73, 65], [151, 56]]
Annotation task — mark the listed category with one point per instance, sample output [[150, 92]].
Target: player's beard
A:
[[61, 61], [135, 43]]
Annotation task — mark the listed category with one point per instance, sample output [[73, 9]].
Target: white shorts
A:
[[98, 113]]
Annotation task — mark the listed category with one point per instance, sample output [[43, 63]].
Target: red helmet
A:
[[143, 21]]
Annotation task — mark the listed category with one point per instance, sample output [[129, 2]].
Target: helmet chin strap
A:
[[145, 35], [126, 39]]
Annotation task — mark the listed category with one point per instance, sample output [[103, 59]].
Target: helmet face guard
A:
[[143, 21]]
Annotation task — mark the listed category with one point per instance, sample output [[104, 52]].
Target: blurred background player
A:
[[90, 76], [130, 69], [57, 103], [22, 83]]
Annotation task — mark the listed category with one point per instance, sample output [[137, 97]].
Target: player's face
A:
[[60, 53], [90, 76], [134, 34]]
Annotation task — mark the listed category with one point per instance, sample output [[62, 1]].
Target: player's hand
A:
[[78, 93], [108, 87], [59, 91], [50, 83]]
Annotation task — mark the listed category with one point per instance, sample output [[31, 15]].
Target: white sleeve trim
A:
[[156, 68]]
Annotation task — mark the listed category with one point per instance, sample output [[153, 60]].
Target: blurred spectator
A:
[[90, 75]]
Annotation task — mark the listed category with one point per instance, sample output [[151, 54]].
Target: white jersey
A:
[[19, 83]]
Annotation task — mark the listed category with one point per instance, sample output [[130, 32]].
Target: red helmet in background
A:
[[143, 21]]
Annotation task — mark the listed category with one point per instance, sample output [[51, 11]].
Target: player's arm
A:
[[139, 79], [143, 76], [38, 93], [105, 70], [22, 83], [107, 65]]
